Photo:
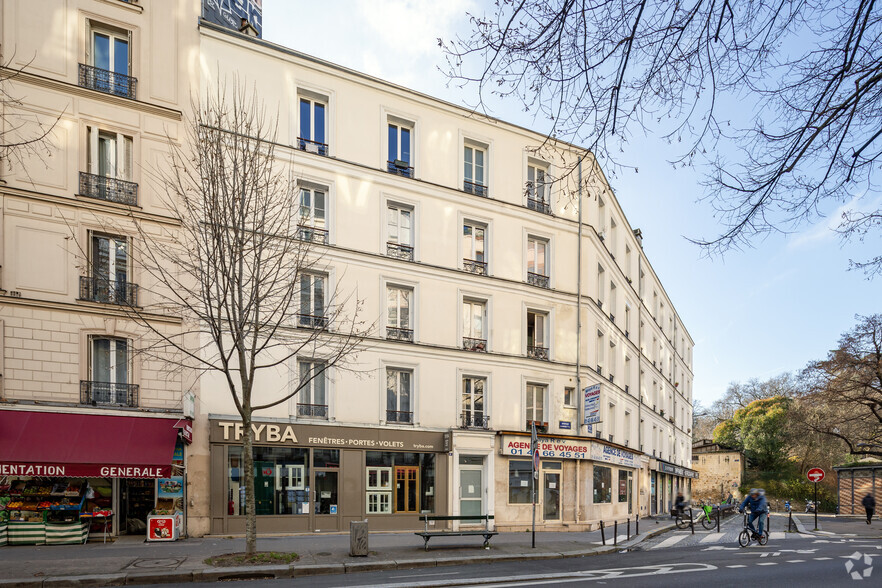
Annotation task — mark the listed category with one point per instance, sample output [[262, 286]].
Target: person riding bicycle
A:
[[756, 501]]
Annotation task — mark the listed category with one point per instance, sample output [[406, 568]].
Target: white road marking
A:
[[670, 541], [767, 563], [609, 541], [822, 558], [425, 575], [737, 566], [713, 538], [795, 561], [777, 535]]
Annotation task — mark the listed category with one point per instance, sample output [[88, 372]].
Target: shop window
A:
[[623, 486], [602, 485], [326, 458], [519, 473], [280, 480], [379, 502], [407, 481], [414, 482]]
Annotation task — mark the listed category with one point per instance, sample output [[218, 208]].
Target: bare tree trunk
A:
[[250, 503]]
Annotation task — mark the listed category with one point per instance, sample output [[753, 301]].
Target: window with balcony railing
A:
[[399, 396], [108, 281], [109, 189], [108, 393], [109, 370], [312, 301], [399, 144], [312, 398], [99, 289], [474, 420], [399, 334], [537, 262], [313, 127], [537, 324], [399, 231], [399, 251], [474, 170]]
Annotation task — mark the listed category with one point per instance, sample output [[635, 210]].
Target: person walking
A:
[[869, 505]]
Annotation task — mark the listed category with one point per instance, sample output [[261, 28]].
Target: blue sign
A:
[[229, 13], [591, 400], [565, 425], [171, 487], [333, 509]]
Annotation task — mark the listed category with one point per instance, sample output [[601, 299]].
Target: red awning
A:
[[85, 445]]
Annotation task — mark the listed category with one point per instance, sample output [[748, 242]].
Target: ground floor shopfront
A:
[[319, 477], [104, 473], [855, 482], [666, 480], [580, 482]]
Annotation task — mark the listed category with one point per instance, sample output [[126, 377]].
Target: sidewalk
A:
[[845, 526], [131, 561]]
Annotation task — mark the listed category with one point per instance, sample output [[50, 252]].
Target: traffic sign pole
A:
[[815, 475], [816, 506]]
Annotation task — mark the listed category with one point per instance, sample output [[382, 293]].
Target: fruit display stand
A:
[[41, 513]]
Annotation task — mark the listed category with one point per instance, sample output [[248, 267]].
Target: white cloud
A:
[[825, 229]]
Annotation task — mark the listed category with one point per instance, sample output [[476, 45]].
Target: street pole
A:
[[816, 506], [535, 446]]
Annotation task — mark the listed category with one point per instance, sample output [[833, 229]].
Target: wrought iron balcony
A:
[[474, 188], [312, 146], [474, 266], [537, 352], [312, 234], [399, 251], [537, 280], [399, 334], [110, 189], [538, 205], [107, 81], [102, 289], [108, 393], [312, 321], [472, 344], [474, 420], [400, 168], [399, 416], [315, 411]]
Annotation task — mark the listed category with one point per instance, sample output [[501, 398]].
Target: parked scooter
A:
[[786, 506], [810, 506]]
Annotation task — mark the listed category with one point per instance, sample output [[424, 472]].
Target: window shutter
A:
[[93, 150], [120, 169]]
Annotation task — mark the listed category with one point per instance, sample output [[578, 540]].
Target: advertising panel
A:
[[229, 13], [591, 401]]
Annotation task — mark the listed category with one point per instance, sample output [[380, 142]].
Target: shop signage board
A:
[[613, 455], [83, 470], [549, 447], [591, 402], [667, 468]]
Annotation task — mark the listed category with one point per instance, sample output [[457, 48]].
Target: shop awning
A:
[[85, 445]]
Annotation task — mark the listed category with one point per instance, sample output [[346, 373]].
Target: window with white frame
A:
[[312, 224], [537, 262], [627, 373], [475, 169], [626, 430], [627, 320], [599, 351], [601, 218], [613, 295], [535, 404], [379, 490], [399, 325], [611, 421], [538, 197], [612, 239], [399, 149], [399, 231], [474, 414], [312, 400], [109, 61], [537, 334], [474, 247], [399, 396], [601, 285], [313, 125], [109, 373], [109, 164], [313, 289], [569, 399], [612, 360], [108, 279], [474, 325]]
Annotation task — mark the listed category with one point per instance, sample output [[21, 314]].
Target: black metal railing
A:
[[316, 411], [108, 393], [537, 352], [537, 280], [472, 344], [474, 420], [474, 266], [399, 416], [107, 81], [474, 188], [312, 146], [102, 289], [399, 251], [110, 189], [312, 234], [399, 334], [312, 321], [538, 205], [399, 167]]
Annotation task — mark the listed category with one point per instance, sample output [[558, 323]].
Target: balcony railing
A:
[[399, 251], [312, 234], [474, 266], [102, 289], [107, 81], [108, 393], [312, 146], [400, 168], [537, 352], [399, 416], [399, 334], [474, 188], [538, 205], [312, 321], [537, 280], [110, 189], [315, 411], [474, 420], [472, 344]]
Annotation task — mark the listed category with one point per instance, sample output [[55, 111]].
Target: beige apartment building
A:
[[496, 310]]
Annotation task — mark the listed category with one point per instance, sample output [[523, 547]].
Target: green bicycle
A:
[[706, 517]]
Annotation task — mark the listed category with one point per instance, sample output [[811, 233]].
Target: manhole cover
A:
[[168, 563]]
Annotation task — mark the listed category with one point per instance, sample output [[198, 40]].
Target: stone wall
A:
[[719, 474]]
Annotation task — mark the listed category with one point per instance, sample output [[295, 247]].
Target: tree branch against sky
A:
[[778, 100]]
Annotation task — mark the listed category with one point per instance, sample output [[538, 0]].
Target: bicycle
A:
[[684, 521], [746, 535]]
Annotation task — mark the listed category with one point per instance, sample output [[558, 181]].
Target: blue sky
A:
[[753, 313]]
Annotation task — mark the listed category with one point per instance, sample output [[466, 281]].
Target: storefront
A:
[[67, 474], [666, 481], [318, 478], [581, 481]]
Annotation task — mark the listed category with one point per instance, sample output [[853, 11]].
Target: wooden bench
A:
[[486, 532]]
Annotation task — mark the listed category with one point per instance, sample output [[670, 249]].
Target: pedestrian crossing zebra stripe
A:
[[670, 541], [712, 537]]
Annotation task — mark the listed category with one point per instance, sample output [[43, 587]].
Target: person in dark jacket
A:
[[869, 505], [756, 502]]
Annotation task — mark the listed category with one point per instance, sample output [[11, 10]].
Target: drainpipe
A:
[[648, 474], [579, 332]]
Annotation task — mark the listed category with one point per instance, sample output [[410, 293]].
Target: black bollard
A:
[[691, 521], [602, 536], [719, 514], [629, 528], [616, 532], [637, 525]]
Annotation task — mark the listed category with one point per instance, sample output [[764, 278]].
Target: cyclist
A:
[[756, 501]]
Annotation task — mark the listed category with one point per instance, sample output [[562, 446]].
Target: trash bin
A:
[[358, 538]]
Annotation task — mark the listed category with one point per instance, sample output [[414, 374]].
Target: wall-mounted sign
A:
[[229, 13], [591, 402], [549, 447], [564, 425], [614, 455], [171, 487], [669, 468]]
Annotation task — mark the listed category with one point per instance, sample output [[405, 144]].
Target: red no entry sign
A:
[[815, 475]]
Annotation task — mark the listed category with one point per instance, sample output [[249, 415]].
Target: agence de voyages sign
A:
[[555, 448]]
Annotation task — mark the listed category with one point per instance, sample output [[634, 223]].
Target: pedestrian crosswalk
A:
[[722, 539], [670, 541]]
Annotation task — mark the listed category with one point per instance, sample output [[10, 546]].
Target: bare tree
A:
[[792, 88], [240, 268]]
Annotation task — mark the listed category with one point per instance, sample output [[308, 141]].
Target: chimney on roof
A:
[[639, 235], [247, 28]]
